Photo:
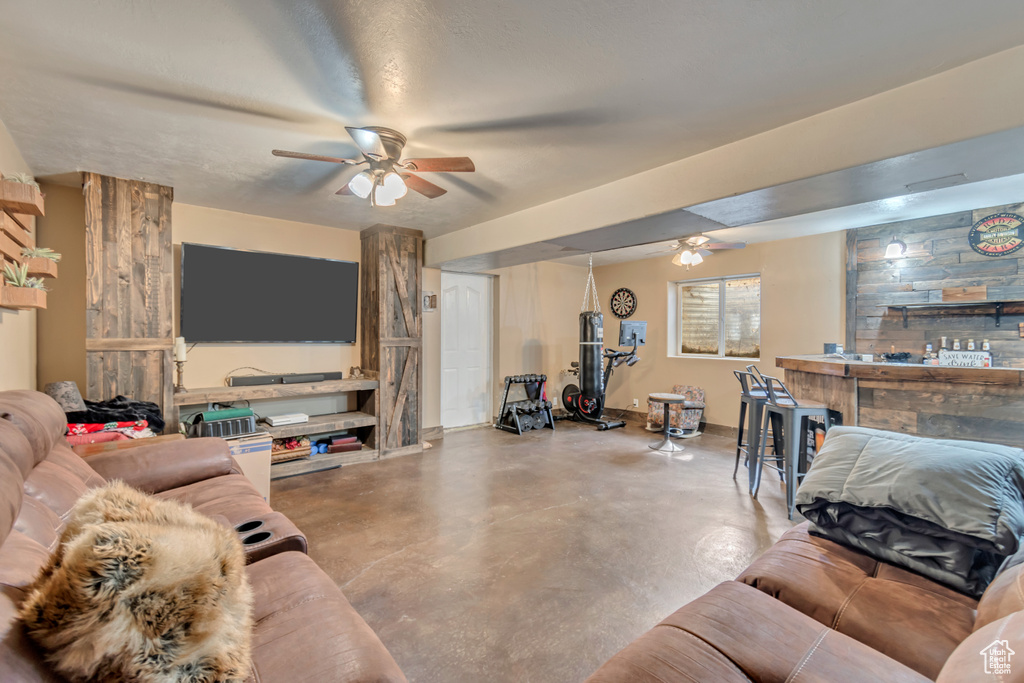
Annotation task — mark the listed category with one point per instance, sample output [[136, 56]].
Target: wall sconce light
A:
[[896, 249]]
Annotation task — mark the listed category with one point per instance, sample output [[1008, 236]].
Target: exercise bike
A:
[[586, 402]]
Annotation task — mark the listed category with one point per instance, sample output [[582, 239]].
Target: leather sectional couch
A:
[[305, 629], [810, 609]]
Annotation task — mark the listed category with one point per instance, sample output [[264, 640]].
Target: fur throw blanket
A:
[[143, 590]]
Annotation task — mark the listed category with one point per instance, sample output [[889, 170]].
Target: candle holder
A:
[[179, 385]]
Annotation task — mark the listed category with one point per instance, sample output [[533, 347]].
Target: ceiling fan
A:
[[388, 178], [692, 250]]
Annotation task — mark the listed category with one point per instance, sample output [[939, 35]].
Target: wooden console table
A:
[[363, 419]]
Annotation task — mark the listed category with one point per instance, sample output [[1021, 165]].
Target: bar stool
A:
[[753, 397], [788, 417], [666, 445]]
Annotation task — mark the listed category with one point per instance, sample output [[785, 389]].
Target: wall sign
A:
[[997, 234], [965, 359]]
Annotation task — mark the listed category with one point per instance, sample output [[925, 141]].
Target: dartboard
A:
[[623, 302]]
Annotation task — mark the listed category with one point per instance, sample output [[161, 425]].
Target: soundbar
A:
[[255, 380]]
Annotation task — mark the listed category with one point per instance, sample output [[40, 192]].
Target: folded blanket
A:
[[951, 510], [120, 409]]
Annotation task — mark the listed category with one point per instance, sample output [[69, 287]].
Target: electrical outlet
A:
[[554, 401], [636, 403]]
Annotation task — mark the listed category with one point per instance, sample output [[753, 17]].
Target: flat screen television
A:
[[235, 295]]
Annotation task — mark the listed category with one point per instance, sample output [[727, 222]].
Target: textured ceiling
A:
[[548, 98]]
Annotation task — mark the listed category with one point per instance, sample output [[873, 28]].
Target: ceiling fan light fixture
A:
[[392, 188], [686, 257], [361, 184], [677, 259], [697, 259], [382, 198]]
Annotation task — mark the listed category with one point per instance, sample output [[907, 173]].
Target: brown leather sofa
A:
[[810, 609], [305, 629]]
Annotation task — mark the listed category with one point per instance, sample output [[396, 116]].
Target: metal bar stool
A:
[[753, 397], [666, 445], [789, 418]]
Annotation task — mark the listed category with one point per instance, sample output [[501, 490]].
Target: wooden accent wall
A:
[[391, 336], [938, 257], [129, 290]]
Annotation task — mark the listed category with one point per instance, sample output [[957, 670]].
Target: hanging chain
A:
[[590, 293]]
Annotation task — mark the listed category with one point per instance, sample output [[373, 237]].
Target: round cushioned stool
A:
[[666, 445]]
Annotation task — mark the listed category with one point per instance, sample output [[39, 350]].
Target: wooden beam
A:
[[128, 344]]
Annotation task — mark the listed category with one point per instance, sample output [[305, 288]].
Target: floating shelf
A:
[[21, 198], [20, 298], [322, 424], [997, 307], [227, 394], [41, 267], [321, 461]]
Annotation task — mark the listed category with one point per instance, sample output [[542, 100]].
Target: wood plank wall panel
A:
[[392, 332], [129, 290], [990, 413], [938, 257]]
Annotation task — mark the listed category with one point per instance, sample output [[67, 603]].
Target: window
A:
[[719, 317]]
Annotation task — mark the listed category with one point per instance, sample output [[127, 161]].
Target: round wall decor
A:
[[623, 302], [997, 235]]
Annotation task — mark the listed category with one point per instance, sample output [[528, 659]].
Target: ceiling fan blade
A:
[[345, 190], [368, 142], [726, 245], [699, 240], [311, 157], [441, 165], [703, 252], [424, 187]]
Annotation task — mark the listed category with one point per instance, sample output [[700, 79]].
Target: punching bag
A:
[[591, 354]]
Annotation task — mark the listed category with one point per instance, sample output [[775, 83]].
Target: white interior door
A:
[[465, 349]]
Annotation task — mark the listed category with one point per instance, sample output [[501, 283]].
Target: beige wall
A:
[[61, 327], [17, 328], [431, 365], [801, 308], [537, 328], [208, 364]]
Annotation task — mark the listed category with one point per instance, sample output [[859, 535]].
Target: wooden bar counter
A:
[[980, 404]]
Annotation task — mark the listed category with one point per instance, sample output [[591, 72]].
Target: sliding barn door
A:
[[392, 332], [129, 290]]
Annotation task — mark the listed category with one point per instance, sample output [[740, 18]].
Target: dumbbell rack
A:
[[533, 412]]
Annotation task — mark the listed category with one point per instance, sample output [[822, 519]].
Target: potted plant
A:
[[20, 290], [19, 193], [41, 261]]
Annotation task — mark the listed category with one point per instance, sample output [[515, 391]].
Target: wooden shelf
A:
[[16, 230], [9, 248], [321, 424], [20, 298], [227, 394], [997, 307], [321, 461], [40, 266], [21, 198]]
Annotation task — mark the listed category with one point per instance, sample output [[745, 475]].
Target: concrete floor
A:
[[530, 559]]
